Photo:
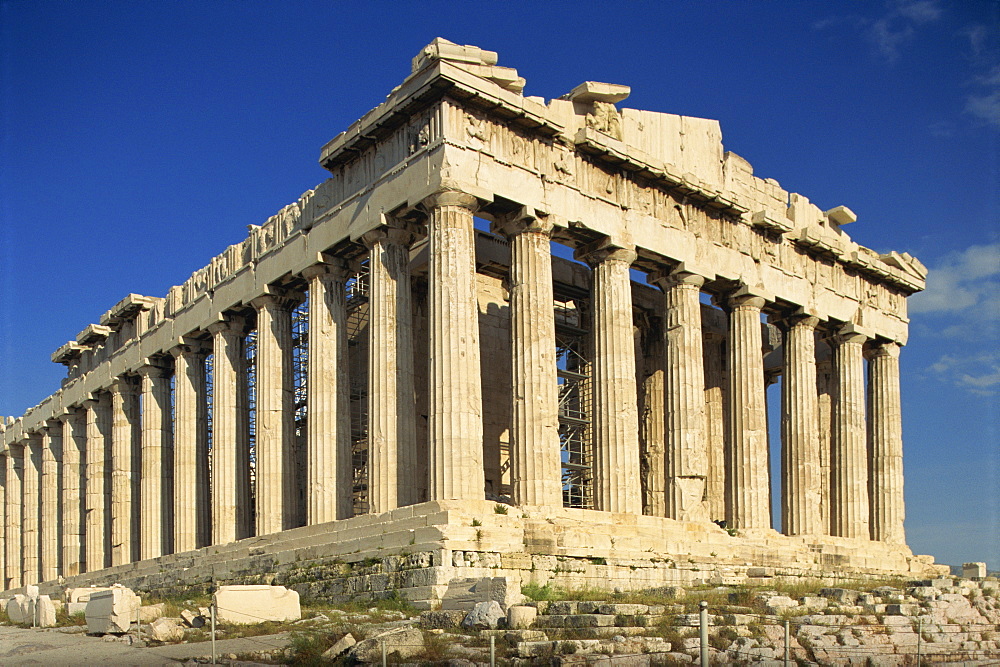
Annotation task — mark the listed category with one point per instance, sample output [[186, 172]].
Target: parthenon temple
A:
[[508, 336]]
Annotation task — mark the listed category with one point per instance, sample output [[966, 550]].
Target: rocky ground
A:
[[948, 620]]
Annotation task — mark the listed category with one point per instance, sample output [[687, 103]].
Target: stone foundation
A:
[[417, 550]]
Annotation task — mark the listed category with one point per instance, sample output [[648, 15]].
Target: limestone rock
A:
[[243, 605], [166, 630], [150, 612], [192, 619], [112, 611], [484, 615], [44, 612], [465, 594], [17, 609], [344, 643], [406, 641], [444, 619], [521, 616]]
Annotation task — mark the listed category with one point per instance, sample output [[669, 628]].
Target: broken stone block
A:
[[17, 609], [344, 643], [83, 594], [842, 595], [112, 610], [484, 615], [974, 570], [405, 641], [192, 619], [76, 608], [778, 603], [243, 605], [465, 594], [444, 619], [44, 612], [521, 616], [166, 630], [150, 612]]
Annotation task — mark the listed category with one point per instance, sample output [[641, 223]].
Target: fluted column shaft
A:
[[275, 432], [328, 416], [12, 527], [31, 500], [886, 445], [615, 401], [73, 515], [456, 401], [652, 423], [392, 431], [96, 537], [800, 455], [3, 520], [747, 482], [157, 476], [49, 533], [536, 467], [230, 434], [684, 395], [714, 350], [191, 512], [123, 413], [849, 453]]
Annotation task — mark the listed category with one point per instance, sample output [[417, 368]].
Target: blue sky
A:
[[139, 140]]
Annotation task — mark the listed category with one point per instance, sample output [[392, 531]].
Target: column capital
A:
[[667, 278], [227, 323], [884, 348], [524, 219], [191, 346], [54, 423], [450, 198], [605, 250], [745, 295], [395, 232], [851, 333], [327, 265], [150, 370], [798, 318], [278, 298]]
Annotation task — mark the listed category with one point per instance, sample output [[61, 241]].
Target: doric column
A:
[[536, 467], [12, 527], [155, 483], [849, 453], [191, 512], [885, 424], [328, 417], [615, 414], [684, 394], [96, 537], [714, 349], [275, 415], [652, 422], [123, 414], [50, 519], [456, 405], [748, 488], [3, 518], [392, 435], [73, 475], [825, 387], [230, 434], [800, 456], [31, 501]]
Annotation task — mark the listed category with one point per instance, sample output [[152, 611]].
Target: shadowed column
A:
[[536, 467], [12, 528], [96, 537], [72, 526], [31, 507], [456, 399], [328, 417], [616, 411], [275, 432], [155, 483], [49, 532], [191, 502], [800, 456], [886, 443], [230, 444], [123, 412], [748, 487], [392, 437], [849, 453]]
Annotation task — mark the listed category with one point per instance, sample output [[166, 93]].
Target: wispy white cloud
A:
[[899, 25], [962, 305], [984, 104]]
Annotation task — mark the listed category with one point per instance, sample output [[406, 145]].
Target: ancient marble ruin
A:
[[508, 336]]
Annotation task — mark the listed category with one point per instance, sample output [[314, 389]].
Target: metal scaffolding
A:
[[357, 340], [574, 377]]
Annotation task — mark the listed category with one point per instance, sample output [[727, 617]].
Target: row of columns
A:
[[170, 508]]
